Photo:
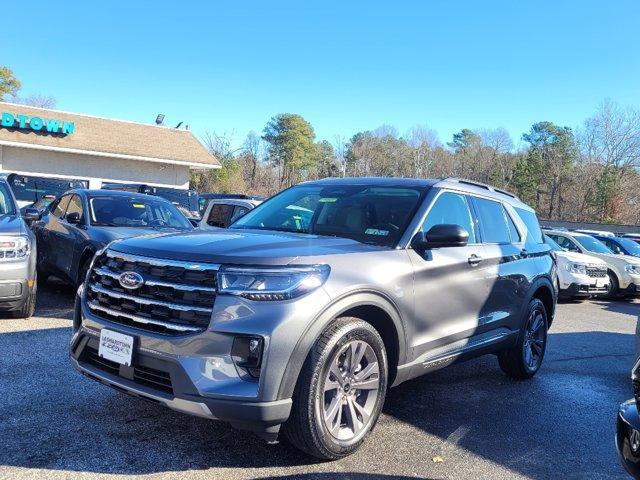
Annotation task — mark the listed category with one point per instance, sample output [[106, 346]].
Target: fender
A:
[[77, 262], [540, 281], [334, 310]]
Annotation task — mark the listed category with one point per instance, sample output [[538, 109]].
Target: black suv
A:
[[302, 313]]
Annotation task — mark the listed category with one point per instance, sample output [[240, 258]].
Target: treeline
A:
[[589, 173]]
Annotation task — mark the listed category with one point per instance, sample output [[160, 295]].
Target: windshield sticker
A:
[[138, 205], [375, 231], [328, 200]]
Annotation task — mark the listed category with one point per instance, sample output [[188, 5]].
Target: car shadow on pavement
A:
[[561, 423]]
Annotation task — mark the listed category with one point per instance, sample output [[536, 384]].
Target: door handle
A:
[[523, 253], [474, 260]]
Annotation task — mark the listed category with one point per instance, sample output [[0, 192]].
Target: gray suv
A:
[[298, 317]]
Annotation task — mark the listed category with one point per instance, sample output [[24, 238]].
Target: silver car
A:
[[18, 282], [298, 317]]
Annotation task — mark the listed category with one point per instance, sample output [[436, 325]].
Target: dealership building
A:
[[85, 150]]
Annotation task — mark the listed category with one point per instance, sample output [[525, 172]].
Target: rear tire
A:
[[523, 360], [331, 416], [29, 307]]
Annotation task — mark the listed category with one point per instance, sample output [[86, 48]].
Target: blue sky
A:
[[346, 66]]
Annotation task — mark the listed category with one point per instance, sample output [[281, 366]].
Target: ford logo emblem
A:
[[131, 280]]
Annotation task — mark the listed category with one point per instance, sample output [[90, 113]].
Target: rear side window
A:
[[493, 221], [534, 234]]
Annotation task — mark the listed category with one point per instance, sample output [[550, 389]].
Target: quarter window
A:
[[534, 233], [237, 213], [493, 221], [451, 208]]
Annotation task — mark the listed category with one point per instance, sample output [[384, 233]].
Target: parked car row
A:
[[622, 268]]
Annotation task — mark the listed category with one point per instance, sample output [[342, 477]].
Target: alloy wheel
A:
[[351, 390], [534, 340]]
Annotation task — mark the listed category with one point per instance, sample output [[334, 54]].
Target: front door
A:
[[450, 285]]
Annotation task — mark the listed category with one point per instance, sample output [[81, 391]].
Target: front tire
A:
[[29, 308], [340, 390], [614, 286], [524, 360]]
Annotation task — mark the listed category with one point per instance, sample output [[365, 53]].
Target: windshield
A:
[[631, 247], [592, 244], [135, 212], [368, 214], [6, 201], [552, 243]]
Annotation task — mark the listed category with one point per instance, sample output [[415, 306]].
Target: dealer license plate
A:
[[116, 347], [601, 282]]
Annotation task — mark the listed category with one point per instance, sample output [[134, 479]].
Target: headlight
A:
[[580, 268], [14, 248], [257, 283], [632, 269]]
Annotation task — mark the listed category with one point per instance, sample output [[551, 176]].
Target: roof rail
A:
[[481, 185]]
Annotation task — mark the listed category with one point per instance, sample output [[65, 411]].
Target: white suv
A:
[[623, 271], [579, 275]]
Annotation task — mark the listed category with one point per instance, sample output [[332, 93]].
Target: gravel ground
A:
[[54, 423]]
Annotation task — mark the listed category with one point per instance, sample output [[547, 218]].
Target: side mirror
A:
[[31, 214], [73, 218], [439, 236]]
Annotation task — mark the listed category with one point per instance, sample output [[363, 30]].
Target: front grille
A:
[[149, 377], [597, 272], [175, 298]]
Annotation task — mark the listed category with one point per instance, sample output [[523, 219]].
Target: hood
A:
[[619, 260], [249, 247], [580, 257], [108, 234], [11, 225]]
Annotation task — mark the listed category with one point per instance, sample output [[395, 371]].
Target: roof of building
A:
[[108, 138]]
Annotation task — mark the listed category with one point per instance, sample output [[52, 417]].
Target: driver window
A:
[[75, 205], [60, 207], [614, 247], [451, 208], [564, 242], [219, 215]]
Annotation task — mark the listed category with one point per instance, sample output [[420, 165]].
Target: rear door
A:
[[508, 266]]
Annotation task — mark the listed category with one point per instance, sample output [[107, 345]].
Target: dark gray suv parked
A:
[[300, 316]]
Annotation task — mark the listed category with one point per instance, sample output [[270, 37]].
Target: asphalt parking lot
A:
[[475, 422]]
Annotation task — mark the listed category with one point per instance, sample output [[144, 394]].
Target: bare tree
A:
[[41, 101]]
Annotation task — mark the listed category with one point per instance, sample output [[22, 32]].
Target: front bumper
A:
[[15, 278], [632, 289], [194, 373], [628, 437], [582, 290]]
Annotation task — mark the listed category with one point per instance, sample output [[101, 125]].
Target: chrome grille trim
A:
[[161, 262], [154, 283], [143, 320], [146, 301], [176, 296]]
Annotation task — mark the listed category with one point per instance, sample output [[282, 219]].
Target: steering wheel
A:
[[385, 226], [157, 222]]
